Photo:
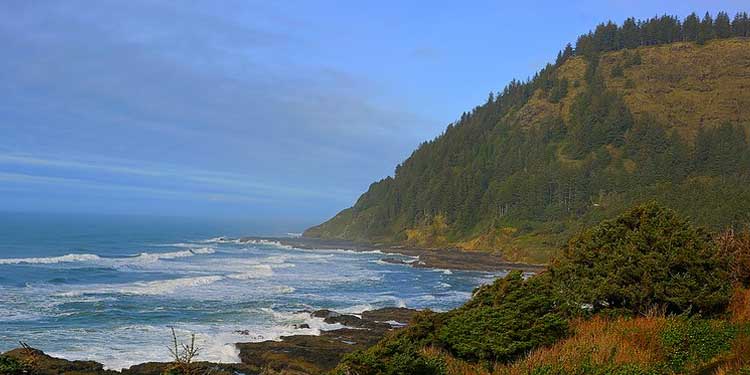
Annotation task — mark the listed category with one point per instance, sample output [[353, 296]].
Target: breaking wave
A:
[[52, 260], [148, 288], [144, 257]]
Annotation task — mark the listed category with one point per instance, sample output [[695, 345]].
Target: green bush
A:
[[399, 356], [10, 365], [504, 320], [689, 342], [588, 369], [400, 353], [646, 257]]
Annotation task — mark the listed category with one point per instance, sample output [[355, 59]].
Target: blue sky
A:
[[248, 109]]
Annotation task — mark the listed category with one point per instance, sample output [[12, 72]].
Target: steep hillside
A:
[[604, 127]]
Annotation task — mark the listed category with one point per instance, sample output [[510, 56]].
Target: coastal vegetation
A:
[[645, 293], [647, 110]]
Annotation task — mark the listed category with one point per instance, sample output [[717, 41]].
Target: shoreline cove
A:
[[198, 267]]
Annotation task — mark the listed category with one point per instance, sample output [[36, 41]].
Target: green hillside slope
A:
[[650, 110]]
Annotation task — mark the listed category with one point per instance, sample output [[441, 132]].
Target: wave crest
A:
[[52, 260]]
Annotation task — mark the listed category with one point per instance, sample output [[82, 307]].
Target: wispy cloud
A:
[[209, 97], [60, 182], [240, 187]]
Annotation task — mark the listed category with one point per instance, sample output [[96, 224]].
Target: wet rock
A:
[[303, 354], [396, 261], [325, 314], [397, 314], [36, 362], [307, 354]]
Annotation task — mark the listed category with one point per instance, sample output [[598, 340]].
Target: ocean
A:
[[109, 288]]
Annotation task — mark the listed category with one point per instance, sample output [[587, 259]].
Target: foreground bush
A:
[[504, 320], [736, 247], [637, 289], [644, 258], [9, 365]]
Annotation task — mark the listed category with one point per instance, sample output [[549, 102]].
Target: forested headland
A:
[[647, 110]]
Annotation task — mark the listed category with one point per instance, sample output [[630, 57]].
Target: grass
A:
[[651, 344], [598, 342], [687, 85]]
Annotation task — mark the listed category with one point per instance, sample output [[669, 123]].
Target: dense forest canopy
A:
[[579, 142]]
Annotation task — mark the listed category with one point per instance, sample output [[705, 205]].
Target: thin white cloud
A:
[[27, 179], [209, 179]]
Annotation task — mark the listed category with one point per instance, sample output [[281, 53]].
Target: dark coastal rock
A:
[[325, 314], [302, 326], [160, 368], [307, 354], [302, 354], [396, 261], [36, 362], [397, 314]]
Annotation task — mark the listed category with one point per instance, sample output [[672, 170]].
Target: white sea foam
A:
[[52, 260], [144, 257], [356, 309], [285, 289], [257, 271], [153, 257], [157, 287], [220, 240], [271, 243]]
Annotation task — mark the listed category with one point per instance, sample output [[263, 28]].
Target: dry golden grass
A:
[[598, 341], [454, 366], [686, 85], [736, 246], [739, 306], [739, 357]]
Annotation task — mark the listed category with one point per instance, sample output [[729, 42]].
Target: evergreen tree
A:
[[741, 25], [630, 32], [722, 26], [690, 28], [706, 29]]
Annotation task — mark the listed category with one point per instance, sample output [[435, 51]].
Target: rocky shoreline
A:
[[453, 259], [298, 354], [292, 355]]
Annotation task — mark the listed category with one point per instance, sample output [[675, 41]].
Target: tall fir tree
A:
[[722, 26], [690, 28], [706, 30]]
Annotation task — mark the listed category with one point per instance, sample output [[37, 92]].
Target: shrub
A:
[[690, 342], [617, 71], [398, 353], [646, 257], [10, 365], [504, 320], [736, 247]]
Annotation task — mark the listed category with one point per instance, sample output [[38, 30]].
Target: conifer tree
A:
[[690, 28], [722, 26], [706, 30], [741, 25]]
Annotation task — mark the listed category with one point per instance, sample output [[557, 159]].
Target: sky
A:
[[257, 110]]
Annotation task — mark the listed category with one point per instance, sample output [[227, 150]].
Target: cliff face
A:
[[584, 139]]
